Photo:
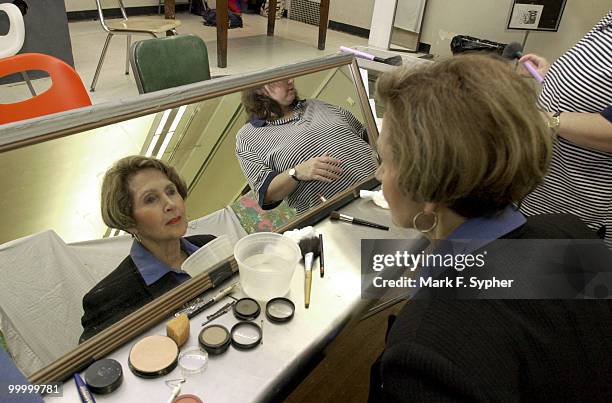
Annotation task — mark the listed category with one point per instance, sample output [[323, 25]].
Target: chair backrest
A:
[[66, 91], [118, 3], [168, 62], [11, 43]]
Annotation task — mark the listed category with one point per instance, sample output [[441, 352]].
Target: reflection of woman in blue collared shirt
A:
[[461, 143], [145, 197]]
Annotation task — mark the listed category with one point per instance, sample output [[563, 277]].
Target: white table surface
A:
[[257, 375]]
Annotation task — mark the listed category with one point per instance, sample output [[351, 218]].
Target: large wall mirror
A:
[[54, 245]]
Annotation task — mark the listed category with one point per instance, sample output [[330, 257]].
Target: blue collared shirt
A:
[[474, 234], [477, 232], [151, 268]]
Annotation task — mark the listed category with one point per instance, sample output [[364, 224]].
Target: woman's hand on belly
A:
[[323, 168]]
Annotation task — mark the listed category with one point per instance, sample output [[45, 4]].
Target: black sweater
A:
[[501, 350], [122, 292]]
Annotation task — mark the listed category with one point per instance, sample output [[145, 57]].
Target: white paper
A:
[[526, 16]]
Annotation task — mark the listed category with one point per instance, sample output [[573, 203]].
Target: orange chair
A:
[[66, 91]]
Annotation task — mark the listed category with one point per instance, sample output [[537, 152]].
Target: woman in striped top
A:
[[577, 95], [299, 150]]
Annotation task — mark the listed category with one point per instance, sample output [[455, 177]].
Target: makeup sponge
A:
[[178, 329]]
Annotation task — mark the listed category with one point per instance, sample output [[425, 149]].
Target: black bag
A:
[[210, 17], [464, 43], [197, 7]]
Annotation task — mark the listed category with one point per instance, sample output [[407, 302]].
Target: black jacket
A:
[[500, 350], [122, 292]]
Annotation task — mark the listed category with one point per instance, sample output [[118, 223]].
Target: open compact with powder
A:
[[246, 309], [153, 356], [215, 339]]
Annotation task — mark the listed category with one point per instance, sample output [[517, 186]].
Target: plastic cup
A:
[[266, 263]]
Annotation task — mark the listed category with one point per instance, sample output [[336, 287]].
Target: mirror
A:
[[397, 22], [407, 23], [57, 164]]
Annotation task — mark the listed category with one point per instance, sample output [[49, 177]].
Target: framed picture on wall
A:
[[540, 15]]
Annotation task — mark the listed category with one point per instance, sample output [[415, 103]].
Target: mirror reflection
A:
[[299, 150], [56, 247]]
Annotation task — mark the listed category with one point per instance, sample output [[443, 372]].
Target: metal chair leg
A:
[[100, 62], [159, 7], [127, 55], [26, 78]]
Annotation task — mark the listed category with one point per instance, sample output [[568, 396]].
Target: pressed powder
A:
[[187, 399], [246, 309], [215, 339], [153, 356]]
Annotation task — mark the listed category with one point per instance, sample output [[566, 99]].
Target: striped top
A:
[[580, 179], [265, 149]]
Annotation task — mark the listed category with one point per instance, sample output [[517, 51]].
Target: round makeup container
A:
[[246, 335], [153, 356], [246, 309], [187, 399], [103, 376], [280, 310], [193, 360], [215, 339]]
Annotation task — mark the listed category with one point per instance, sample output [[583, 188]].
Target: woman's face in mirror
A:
[[282, 91], [158, 208]]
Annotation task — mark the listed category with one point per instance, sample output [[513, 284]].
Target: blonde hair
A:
[[116, 199], [464, 132]]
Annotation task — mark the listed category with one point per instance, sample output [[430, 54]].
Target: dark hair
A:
[[260, 106]]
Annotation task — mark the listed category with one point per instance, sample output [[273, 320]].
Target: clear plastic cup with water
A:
[[266, 262]]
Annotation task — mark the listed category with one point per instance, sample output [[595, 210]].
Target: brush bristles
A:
[[334, 215], [310, 245]]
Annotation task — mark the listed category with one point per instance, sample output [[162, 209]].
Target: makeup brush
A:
[[393, 60], [310, 250], [514, 50], [335, 215], [308, 242]]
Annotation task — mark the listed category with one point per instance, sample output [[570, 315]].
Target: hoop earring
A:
[[426, 230]]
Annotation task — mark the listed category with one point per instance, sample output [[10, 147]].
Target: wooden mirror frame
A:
[[21, 134]]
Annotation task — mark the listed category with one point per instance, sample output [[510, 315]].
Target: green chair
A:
[[168, 62]]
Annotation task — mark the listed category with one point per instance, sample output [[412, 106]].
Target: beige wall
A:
[[352, 12], [487, 19], [80, 5]]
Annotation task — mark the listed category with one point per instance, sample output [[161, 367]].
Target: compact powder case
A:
[[215, 339], [280, 310], [246, 309], [153, 356], [246, 335], [187, 399], [103, 376], [193, 360]]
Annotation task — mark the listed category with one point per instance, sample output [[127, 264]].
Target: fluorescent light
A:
[[162, 122], [164, 145], [177, 118], [152, 145]]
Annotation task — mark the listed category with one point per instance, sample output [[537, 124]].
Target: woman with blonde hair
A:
[[462, 144]]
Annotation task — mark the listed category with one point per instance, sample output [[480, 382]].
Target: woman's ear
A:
[[430, 208]]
